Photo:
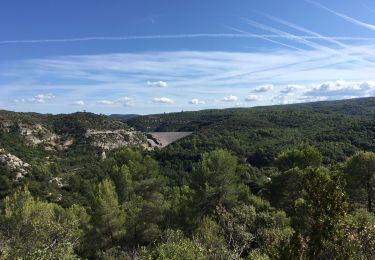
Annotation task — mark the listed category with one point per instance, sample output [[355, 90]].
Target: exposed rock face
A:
[[108, 140], [36, 134], [106, 134], [58, 181], [6, 126], [14, 164]]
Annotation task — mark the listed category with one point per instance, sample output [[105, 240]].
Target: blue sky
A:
[[127, 56]]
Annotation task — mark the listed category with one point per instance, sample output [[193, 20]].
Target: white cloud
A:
[[124, 101], [262, 88], [291, 88], [230, 99], [252, 98], [105, 102], [22, 100], [304, 99], [79, 103], [159, 84], [41, 98], [163, 100], [196, 101], [342, 89], [207, 75]]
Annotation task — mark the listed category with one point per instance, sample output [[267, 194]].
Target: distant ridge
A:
[[122, 117]]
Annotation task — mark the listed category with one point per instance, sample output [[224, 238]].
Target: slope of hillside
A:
[[33, 137], [337, 128]]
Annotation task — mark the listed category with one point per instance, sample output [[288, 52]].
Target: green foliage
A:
[[212, 236], [33, 229], [108, 217], [207, 196], [320, 209], [302, 156], [177, 247], [141, 190], [360, 176], [255, 226], [216, 180], [356, 236], [336, 129], [285, 188]]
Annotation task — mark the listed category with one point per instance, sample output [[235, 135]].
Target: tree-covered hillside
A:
[[282, 182], [336, 128]]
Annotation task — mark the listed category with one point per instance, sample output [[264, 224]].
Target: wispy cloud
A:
[[252, 98], [122, 101], [300, 40], [105, 102], [264, 38], [230, 98], [196, 101], [305, 30], [121, 79], [39, 99], [160, 84], [79, 103], [343, 16], [262, 88], [320, 36], [163, 100], [175, 36], [372, 10], [290, 88]]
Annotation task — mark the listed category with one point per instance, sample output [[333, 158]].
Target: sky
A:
[[144, 56]]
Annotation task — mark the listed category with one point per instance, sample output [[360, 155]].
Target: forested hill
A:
[[189, 121], [336, 128], [30, 139], [289, 184]]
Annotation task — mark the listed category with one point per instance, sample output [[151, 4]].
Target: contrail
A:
[[285, 34], [265, 38], [305, 41], [343, 16], [179, 36], [302, 29], [368, 8]]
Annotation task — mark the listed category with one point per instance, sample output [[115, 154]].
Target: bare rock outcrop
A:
[[113, 139], [14, 164]]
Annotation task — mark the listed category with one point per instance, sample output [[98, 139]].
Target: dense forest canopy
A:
[[282, 182]]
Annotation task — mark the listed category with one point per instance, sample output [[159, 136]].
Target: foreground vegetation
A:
[[294, 182], [303, 210]]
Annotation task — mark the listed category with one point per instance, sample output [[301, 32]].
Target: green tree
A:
[[123, 181], [216, 180], [142, 187], [175, 246], [302, 156], [34, 229], [360, 176], [356, 236], [321, 208], [268, 228], [212, 236], [285, 188], [108, 217]]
